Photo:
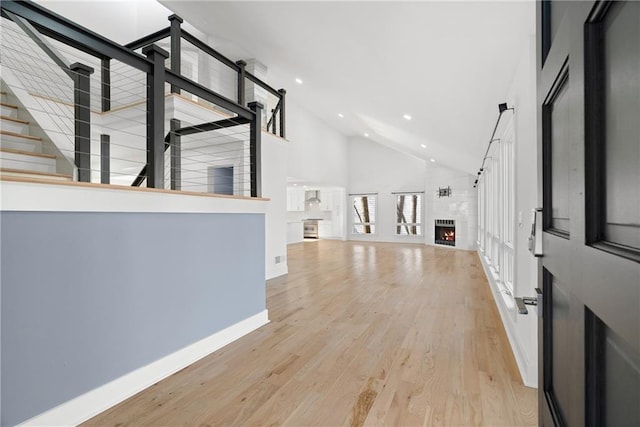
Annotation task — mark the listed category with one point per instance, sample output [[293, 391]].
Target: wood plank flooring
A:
[[361, 334]]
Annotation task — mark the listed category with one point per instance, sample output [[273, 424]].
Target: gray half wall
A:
[[88, 297]]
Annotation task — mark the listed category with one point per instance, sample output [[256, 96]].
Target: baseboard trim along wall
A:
[[528, 373], [90, 404], [277, 271]]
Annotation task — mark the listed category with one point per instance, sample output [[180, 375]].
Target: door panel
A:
[[556, 13], [621, 66], [555, 116], [613, 377], [559, 389], [562, 334], [609, 285], [621, 381], [589, 98]]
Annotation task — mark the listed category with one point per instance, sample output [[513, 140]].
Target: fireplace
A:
[[445, 232]]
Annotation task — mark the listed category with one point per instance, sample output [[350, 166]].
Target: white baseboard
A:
[[528, 372], [277, 271], [90, 404]]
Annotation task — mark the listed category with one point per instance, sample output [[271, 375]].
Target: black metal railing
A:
[[276, 123], [152, 64], [79, 74]]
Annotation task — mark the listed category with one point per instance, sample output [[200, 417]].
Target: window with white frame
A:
[[497, 198], [496, 204], [508, 208], [364, 213], [481, 215], [409, 214]]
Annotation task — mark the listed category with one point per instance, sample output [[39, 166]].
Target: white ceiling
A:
[[447, 64]]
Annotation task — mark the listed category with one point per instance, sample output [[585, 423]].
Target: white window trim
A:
[[353, 223], [420, 222]]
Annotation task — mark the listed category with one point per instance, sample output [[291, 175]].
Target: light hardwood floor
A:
[[360, 334]]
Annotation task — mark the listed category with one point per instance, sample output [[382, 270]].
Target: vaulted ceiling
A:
[[446, 64]]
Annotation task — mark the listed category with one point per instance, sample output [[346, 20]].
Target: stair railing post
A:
[[241, 81], [105, 84], [255, 149], [283, 93], [176, 155], [105, 159], [82, 119], [155, 116], [175, 33], [273, 120]]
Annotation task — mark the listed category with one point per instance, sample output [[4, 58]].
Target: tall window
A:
[[508, 209], [496, 204], [364, 214], [409, 214]]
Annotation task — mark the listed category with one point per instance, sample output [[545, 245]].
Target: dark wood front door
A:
[[589, 100]]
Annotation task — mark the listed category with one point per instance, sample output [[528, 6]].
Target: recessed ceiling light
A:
[[366, 135], [432, 160], [340, 115], [299, 81], [295, 185], [423, 146], [407, 117]]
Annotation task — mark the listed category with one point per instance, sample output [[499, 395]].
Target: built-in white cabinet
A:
[[325, 229], [337, 213], [333, 206], [326, 200], [295, 199]]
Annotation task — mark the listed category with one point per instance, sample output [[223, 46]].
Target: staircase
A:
[[21, 153]]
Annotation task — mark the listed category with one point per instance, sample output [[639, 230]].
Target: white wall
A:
[[522, 329], [374, 168], [274, 186], [461, 206], [317, 156], [317, 153]]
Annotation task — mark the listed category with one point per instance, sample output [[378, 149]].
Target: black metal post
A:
[[176, 55], [82, 120], [273, 121], [241, 80], [283, 132], [105, 84], [155, 116], [105, 162], [149, 39], [255, 149], [176, 155]]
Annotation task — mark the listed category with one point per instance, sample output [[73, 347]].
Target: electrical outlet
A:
[[279, 259]]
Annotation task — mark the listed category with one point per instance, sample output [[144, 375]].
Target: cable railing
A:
[[122, 136], [272, 99]]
